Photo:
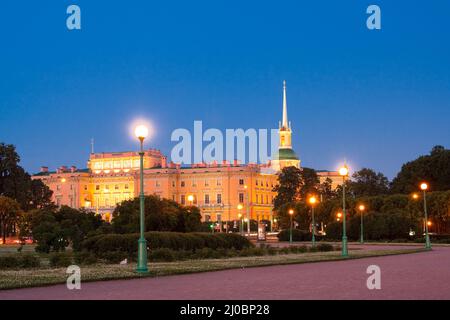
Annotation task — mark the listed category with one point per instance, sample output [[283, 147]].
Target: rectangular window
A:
[[157, 183], [219, 198], [126, 186], [219, 183], [206, 183], [241, 182], [116, 187], [241, 197], [194, 183], [206, 198], [58, 187], [173, 183], [183, 183], [85, 188], [173, 197], [97, 187], [183, 199]]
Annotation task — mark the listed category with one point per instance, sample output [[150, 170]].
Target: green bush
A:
[[297, 235], [324, 247], [162, 254], [85, 258], [30, 261], [19, 261], [60, 259], [9, 262], [170, 240]]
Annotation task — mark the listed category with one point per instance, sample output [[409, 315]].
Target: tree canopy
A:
[[17, 184], [433, 168]]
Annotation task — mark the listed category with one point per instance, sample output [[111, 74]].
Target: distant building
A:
[[216, 188]]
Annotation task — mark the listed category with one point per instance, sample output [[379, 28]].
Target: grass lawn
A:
[[10, 279]]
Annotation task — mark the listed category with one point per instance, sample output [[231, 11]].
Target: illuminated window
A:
[[206, 198], [219, 198], [241, 197]]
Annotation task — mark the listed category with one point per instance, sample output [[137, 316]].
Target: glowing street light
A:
[[424, 188], [190, 199], [312, 200], [338, 216], [361, 209], [141, 133], [291, 213], [415, 196], [241, 223], [343, 171]]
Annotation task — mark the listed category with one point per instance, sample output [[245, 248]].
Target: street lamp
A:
[[247, 209], [190, 199], [312, 201], [141, 133], [338, 216], [291, 213], [241, 224], [343, 171], [361, 210], [424, 187]]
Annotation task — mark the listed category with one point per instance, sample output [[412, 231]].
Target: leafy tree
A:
[[9, 214], [433, 168], [290, 183], [160, 215], [17, 184], [366, 182], [326, 189], [310, 182]]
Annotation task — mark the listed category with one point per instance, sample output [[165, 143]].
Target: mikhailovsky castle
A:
[[216, 188]]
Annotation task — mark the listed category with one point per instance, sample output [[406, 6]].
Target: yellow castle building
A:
[[222, 191]]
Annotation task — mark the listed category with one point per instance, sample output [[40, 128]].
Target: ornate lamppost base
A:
[[142, 256]]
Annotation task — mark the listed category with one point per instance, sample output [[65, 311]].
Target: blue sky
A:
[[376, 98]]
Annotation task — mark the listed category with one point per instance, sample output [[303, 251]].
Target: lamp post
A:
[[291, 213], [141, 133], [361, 210], [343, 171], [247, 209], [241, 225], [312, 201], [190, 199], [424, 187]]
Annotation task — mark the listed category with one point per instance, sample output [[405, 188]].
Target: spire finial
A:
[[284, 124]]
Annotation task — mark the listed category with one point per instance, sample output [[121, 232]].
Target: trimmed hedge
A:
[[297, 235], [170, 240], [19, 261]]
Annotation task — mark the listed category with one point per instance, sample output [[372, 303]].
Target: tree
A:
[[433, 168], [160, 215], [326, 189], [366, 182], [290, 183], [310, 182], [17, 184], [9, 214]]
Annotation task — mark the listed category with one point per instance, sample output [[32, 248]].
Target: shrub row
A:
[[19, 261], [170, 240], [297, 235]]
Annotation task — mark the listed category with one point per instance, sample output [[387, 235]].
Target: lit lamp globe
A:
[[239, 206], [343, 171], [141, 132], [190, 198], [423, 186], [291, 212], [362, 207], [312, 200]]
